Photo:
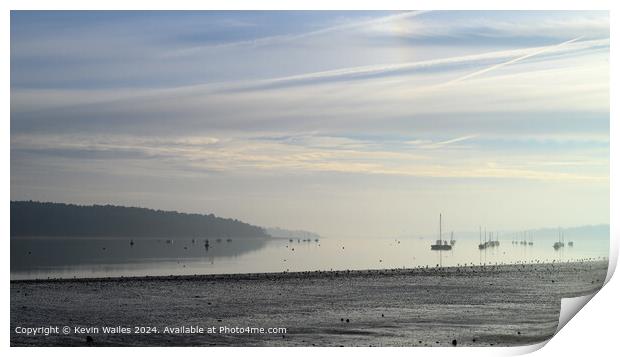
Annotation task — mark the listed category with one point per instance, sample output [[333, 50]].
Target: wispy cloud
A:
[[312, 154], [448, 142], [536, 52], [28, 99], [284, 38]]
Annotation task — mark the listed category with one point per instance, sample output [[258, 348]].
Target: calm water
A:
[[35, 258]]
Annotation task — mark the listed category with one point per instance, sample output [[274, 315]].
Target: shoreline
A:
[[305, 273]]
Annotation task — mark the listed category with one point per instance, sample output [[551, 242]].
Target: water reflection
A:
[[88, 257], [54, 257]]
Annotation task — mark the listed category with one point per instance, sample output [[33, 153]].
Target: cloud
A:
[[284, 38], [312, 154], [448, 142], [495, 28], [536, 52], [408, 68]]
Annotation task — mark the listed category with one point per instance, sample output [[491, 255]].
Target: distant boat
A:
[[491, 242], [570, 244], [484, 245], [560, 243], [452, 240], [440, 244]]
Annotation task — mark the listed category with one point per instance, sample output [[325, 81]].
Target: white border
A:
[[592, 330]]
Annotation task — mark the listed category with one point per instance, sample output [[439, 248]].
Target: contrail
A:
[[514, 60], [451, 141], [291, 37]]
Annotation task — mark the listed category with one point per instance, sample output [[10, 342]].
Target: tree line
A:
[[31, 218]]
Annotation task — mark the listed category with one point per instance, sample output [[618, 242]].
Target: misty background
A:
[[350, 124]]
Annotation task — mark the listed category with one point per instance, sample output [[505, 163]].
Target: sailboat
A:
[[452, 240], [560, 243], [483, 245], [440, 244], [491, 243]]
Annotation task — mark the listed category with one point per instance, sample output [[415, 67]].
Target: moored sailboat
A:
[[440, 244]]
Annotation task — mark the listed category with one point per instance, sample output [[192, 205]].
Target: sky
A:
[[359, 123]]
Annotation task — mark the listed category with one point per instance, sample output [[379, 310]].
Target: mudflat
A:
[[504, 305]]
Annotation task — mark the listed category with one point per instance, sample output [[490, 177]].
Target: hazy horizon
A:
[[359, 123], [411, 234]]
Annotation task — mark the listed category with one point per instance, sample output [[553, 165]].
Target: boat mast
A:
[[440, 240]]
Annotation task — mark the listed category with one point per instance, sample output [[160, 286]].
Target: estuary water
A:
[[42, 258]]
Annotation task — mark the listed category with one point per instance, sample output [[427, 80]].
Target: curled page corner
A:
[[613, 257], [523, 350], [569, 307]]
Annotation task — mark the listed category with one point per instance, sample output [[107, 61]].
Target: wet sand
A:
[[471, 306]]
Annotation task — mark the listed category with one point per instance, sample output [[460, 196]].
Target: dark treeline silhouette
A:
[[32, 219]]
